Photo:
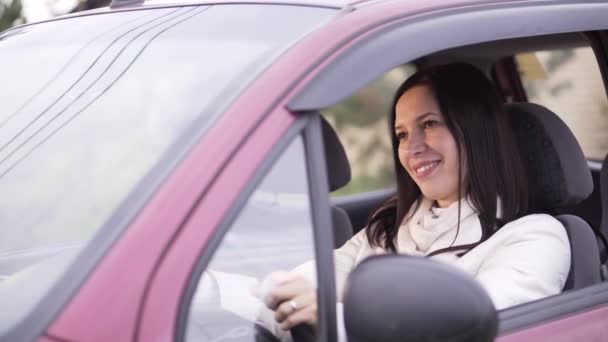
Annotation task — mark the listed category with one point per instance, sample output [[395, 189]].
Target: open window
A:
[[399, 42]]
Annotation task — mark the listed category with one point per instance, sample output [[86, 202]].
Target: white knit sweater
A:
[[526, 259]]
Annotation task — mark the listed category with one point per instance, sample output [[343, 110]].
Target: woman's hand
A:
[[293, 300]]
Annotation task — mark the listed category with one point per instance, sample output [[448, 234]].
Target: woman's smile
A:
[[423, 170]]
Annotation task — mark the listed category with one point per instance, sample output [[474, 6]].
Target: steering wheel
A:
[[226, 326], [299, 333], [303, 333], [264, 335]]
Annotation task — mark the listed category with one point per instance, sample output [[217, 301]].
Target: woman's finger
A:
[[307, 315], [287, 290], [289, 307]]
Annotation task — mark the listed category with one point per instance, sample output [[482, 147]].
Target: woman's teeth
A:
[[426, 167]]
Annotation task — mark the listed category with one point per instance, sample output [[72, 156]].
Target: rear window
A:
[[93, 105], [569, 82]]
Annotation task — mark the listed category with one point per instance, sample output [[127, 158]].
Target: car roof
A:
[[321, 3], [414, 6]]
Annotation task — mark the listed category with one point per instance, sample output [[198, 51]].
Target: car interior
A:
[[564, 183]]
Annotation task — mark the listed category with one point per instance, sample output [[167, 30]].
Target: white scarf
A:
[[431, 228]]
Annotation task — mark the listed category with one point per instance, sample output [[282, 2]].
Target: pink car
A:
[[159, 158]]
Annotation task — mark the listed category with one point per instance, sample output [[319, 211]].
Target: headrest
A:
[[338, 168], [557, 170]]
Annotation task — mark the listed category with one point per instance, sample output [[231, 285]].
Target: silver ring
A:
[[294, 305]]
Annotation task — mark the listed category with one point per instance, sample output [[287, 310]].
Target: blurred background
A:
[[13, 12]]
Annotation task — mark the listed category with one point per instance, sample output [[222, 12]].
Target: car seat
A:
[[338, 174], [558, 177]]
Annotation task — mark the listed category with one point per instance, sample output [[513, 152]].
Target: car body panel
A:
[[122, 277], [163, 300], [586, 326], [324, 91], [324, 3], [149, 235]]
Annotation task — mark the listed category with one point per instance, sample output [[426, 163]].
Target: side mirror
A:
[[404, 298]]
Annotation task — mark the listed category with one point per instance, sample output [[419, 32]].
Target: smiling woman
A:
[[461, 198], [461, 181], [427, 149], [455, 143]]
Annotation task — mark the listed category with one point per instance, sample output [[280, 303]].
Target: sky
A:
[[35, 10]]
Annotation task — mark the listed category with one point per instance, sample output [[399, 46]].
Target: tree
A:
[[84, 5], [10, 14], [361, 123]]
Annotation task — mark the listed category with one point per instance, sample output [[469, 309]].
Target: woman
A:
[[461, 198]]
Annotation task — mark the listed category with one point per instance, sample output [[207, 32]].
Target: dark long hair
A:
[[473, 113]]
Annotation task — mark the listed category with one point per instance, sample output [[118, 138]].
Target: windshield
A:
[[93, 105]]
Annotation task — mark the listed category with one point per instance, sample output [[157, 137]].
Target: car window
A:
[[273, 232], [568, 82], [361, 122], [88, 115]]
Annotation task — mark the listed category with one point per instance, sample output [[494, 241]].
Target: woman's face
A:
[[427, 149]]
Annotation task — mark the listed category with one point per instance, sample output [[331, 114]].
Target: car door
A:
[[274, 217], [568, 316]]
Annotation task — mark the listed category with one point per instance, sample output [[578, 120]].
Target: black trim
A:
[[552, 308], [425, 34], [598, 40], [323, 234], [209, 250]]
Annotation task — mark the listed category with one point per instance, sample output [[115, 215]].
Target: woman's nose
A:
[[415, 144]]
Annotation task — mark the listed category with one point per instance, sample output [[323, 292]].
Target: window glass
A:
[[90, 105], [273, 232], [361, 123], [569, 83]]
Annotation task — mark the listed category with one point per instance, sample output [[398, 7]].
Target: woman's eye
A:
[[430, 123], [401, 135]]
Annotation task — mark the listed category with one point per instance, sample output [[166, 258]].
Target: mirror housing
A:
[[404, 298]]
